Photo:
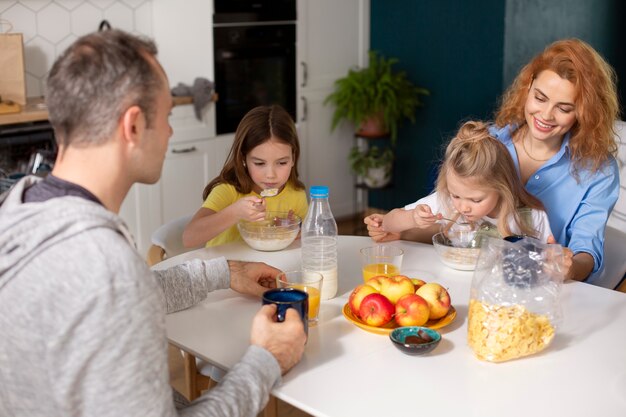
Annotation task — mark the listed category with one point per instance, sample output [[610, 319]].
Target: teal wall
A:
[[466, 53], [454, 48]]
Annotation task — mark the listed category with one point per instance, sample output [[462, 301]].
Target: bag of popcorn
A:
[[514, 302]]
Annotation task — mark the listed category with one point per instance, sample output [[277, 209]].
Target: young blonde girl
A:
[[264, 156], [478, 181]]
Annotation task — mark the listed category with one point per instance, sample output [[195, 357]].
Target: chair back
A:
[[614, 268], [167, 240], [617, 219]]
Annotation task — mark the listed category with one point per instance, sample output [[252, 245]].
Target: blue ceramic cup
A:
[[285, 298]]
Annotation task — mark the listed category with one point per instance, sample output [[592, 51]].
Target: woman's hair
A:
[[474, 153], [592, 136], [257, 127], [96, 80]]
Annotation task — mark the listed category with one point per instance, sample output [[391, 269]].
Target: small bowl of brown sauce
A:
[[415, 340]]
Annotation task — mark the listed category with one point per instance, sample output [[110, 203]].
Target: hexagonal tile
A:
[[5, 4], [102, 4], [70, 4], [53, 22], [33, 86], [143, 19], [23, 19], [35, 5], [134, 3], [85, 19], [39, 54], [120, 17]]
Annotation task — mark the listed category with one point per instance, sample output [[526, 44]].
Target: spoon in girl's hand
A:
[[455, 220], [269, 192]]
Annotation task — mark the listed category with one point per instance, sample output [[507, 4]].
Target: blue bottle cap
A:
[[319, 191]]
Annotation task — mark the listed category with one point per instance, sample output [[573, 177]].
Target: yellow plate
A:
[[387, 328]]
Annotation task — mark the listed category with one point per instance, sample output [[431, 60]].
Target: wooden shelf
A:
[[35, 110]]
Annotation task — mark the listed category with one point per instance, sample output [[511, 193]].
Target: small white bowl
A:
[[463, 259], [274, 233]]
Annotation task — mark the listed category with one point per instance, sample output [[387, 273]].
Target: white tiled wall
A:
[[49, 26]]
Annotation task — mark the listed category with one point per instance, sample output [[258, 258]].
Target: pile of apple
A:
[[410, 302]]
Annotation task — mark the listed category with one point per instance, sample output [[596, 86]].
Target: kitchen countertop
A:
[[35, 110]]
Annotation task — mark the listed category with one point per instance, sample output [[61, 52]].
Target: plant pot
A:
[[378, 177], [373, 127]]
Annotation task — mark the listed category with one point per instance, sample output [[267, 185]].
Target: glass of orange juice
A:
[[381, 260], [307, 281]]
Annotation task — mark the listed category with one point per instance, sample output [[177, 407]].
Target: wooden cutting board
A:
[[7, 107]]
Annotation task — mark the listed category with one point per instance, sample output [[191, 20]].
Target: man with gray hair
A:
[[82, 317]]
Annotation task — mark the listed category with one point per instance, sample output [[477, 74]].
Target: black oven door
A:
[[254, 66]]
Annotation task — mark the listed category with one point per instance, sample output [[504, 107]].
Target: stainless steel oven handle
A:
[[305, 74], [305, 109], [184, 150]]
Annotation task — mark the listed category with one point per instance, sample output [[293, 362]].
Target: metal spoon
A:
[[269, 192]]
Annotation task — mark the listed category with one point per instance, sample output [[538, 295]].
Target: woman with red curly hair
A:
[[557, 121]]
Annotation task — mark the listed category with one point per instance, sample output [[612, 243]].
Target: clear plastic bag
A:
[[514, 306]]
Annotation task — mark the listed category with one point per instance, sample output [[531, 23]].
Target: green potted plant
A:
[[373, 165], [375, 94]]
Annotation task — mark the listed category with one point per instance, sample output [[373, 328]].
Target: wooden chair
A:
[[167, 242]]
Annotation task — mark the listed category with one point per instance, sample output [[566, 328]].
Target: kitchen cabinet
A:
[[333, 36], [194, 157]]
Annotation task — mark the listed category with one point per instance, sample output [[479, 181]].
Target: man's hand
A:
[[284, 340], [374, 224], [252, 278]]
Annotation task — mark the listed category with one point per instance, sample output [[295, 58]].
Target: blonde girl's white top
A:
[[539, 218]]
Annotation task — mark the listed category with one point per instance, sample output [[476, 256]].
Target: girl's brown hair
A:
[[592, 136], [258, 126], [474, 153]]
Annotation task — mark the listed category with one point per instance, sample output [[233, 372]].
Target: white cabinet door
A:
[[188, 167], [333, 36], [324, 153]]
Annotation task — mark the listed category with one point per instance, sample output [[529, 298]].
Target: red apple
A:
[[412, 310], [377, 282], [397, 286], [417, 283], [376, 310], [437, 297], [357, 295]]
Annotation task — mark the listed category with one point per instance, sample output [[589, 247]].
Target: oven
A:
[[254, 56]]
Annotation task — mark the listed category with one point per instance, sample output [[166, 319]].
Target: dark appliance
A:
[[255, 58], [25, 148]]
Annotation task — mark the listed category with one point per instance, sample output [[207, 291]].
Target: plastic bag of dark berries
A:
[[514, 306]]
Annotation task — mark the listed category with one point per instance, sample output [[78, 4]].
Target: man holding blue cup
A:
[[288, 301]]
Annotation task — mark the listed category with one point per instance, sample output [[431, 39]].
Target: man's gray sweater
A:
[[82, 319]]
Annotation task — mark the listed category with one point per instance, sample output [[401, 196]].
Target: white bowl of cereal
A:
[[463, 259], [273, 233]]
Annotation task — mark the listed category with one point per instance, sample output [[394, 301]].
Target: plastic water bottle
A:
[[319, 241]]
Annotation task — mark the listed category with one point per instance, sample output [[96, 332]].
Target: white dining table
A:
[[348, 371]]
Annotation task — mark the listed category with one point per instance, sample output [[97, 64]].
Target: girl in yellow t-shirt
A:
[[264, 156]]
